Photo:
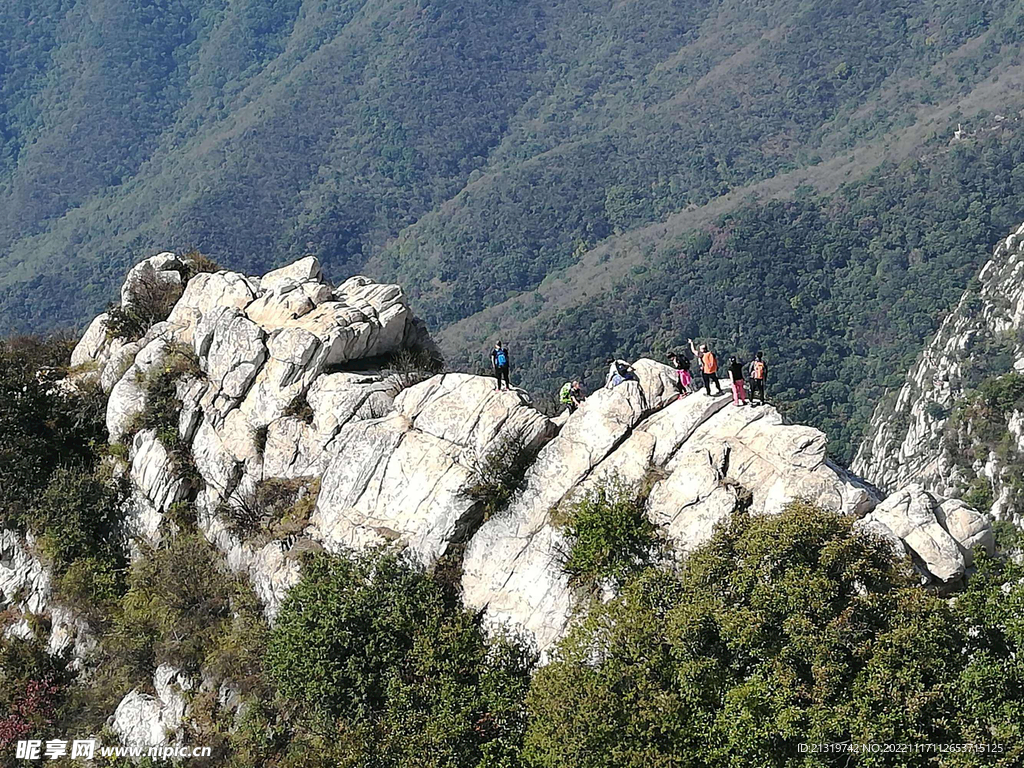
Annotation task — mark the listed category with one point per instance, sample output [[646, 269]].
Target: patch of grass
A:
[[197, 263], [275, 509]]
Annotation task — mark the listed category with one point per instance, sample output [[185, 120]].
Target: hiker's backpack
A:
[[710, 365], [501, 358], [757, 369], [565, 395]]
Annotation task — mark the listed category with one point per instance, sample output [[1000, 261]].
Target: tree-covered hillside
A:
[[838, 290], [467, 149]]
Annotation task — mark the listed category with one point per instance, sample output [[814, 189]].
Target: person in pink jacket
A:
[[739, 392]]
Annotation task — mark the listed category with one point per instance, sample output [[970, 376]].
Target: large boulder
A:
[[206, 293], [938, 534], [127, 398], [660, 382], [780, 463], [694, 498], [143, 721], [405, 477], [235, 356], [152, 470]]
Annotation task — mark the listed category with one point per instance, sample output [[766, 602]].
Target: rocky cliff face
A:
[[926, 434], [293, 382]]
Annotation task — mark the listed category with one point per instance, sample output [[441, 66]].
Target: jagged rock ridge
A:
[[291, 384], [908, 440]]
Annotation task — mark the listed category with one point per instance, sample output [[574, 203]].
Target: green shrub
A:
[[128, 323], [80, 521], [178, 604], [161, 383], [370, 642], [42, 426], [500, 475], [152, 302], [33, 691], [609, 537], [784, 630], [197, 263], [1002, 393], [979, 494]]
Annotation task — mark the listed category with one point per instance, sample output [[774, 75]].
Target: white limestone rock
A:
[[24, 581], [907, 439], [403, 478], [673, 425], [205, 293], [302, 271], [779, 463], [236, 354], [128, 397], [153, 473], [296, 358], [218, 466], [511, 568], [278, 308], [468, 411], [120, 358], [938, 533], [660, 382], [143, 721], [95, 345], [968, 527], [693, 499]]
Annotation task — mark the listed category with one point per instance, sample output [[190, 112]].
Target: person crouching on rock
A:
[[500, 361], [619, 372], [571, 395]]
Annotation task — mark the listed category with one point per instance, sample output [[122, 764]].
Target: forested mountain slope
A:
[[470, 148]]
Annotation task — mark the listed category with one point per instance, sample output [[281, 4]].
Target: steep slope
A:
[[956, 423]]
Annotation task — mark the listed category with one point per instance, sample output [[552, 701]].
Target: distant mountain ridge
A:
[[478, 151]]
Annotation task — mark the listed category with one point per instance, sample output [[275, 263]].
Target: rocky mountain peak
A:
[[251, 389]]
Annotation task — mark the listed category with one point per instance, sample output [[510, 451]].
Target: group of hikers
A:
[[572, 394]]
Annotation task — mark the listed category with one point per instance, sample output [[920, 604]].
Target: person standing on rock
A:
[[501, 363], [708, 366], [739, 392], [758, 377]]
